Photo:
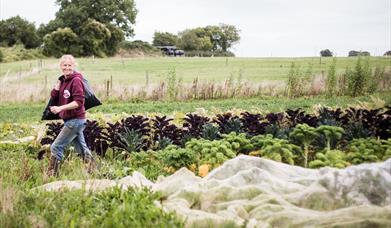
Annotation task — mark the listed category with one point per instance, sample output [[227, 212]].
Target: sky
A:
[[268, 28]]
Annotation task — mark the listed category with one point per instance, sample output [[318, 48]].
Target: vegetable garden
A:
[[182, 145], [335, 138]]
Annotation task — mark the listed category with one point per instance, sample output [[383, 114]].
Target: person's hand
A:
[[55, 109], [57, 86]]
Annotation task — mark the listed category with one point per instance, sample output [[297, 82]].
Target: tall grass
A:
[[22, 205], [292, 89], [331, 82], [357, 79]]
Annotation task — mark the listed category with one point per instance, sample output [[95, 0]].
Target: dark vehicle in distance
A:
[[171, 50]]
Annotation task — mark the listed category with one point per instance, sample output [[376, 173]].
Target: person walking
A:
[[69, 96]]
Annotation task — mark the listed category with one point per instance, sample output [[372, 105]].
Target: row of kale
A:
[[141, 133]]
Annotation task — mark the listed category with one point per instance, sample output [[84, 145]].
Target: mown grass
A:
[[32, 112], [130, 71]]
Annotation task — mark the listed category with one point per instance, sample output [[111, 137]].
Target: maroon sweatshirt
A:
[[71, 89]]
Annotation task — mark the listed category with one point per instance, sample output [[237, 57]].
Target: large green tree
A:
[[164, 39], [121, 13], [93, 36], [189, 41], [229, 36], [62, 41], [18, 30], [100, 25], [209, 38]]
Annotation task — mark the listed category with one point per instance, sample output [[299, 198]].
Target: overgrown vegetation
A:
[[18, 53], [23, 206], [137, 48]]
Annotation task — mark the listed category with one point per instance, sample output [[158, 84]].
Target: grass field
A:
[[32, 80], [135, 71], [31, 112]]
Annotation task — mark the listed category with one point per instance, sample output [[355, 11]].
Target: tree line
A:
[[328, 53], [98, 27], [210, 39], [80, 27]]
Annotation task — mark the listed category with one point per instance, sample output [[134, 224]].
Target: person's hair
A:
[[68, 57]]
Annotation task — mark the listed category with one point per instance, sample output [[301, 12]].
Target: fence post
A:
[[46, 83], [111, 82], [146, 78], [107, 88]]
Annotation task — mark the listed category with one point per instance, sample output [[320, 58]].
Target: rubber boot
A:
[[54, 164], [89, 164]]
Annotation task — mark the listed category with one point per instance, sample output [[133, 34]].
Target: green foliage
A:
[[24, 207], [121, 13], [145, 47], [331, 158], [172, 84], [148, 163], [131, 140], [229, 36], [111, 45], [18, 53], [210, 132], [164, 39], [211, 152], [275, 149], [98, 26], [331, 82], [331, 133], [93, 38], [367, 70], [163, 143], [304, 134], [16, 30], [1, 56], [387, 152], [190, 41], [376, 79], [239, 142], [358, 79], [358, 53], [177, 157], [111, 208], [278, 152], [368, 150], [326, 53], [62, 41], [210, 38], [293, 85]]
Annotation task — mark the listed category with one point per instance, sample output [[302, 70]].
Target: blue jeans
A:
[[72, 132]]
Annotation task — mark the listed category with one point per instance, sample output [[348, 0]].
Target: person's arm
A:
[[70, 106]]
